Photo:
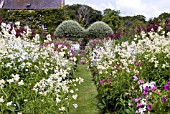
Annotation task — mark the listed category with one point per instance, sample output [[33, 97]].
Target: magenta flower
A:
[[101, 82], [163, 99], [146, 88], [153, 88], [42, 45], [149, 107], [145, 93], [108, 80], [139, 105], [134, 63], [117, 67], [166, 87]]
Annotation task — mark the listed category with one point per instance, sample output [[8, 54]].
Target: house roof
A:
[[32, 4]]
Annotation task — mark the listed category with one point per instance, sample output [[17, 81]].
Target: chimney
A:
[[1, 3]]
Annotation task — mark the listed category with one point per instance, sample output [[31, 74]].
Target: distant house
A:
[[31, 4]]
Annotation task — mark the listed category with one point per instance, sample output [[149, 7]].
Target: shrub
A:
[[69, 29], [99, 29], [132, 77]]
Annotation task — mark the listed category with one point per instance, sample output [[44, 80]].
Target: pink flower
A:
[[117, 67], [153, 88], [101, 82], [145, 93], [146, 88], [134, 63], [166, 87], [42, 45], [149, 107], [140, 82], [137, 99], [108, 80], [139, 105], [135, 78]]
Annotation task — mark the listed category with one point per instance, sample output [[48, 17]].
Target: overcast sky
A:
[[148, 8]]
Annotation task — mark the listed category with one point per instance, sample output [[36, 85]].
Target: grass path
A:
[[87, 102]]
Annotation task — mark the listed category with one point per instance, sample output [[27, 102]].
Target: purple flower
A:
[[135, 78], [145, 93], [163, 99], [108, 80], [168, 83], [140, 82], [146, 88], [42, 45], [149, 107], [166, 87], [153, 88], [139, 105], [117, 67], [136, 99], [101, 82], [134, 63]]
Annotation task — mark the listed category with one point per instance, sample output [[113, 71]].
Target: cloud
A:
[[148, 8], [142, 7]]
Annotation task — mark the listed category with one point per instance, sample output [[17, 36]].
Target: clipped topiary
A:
[[69, 28], [99, 29]]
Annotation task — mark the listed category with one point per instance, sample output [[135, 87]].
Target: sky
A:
[[148, 8]]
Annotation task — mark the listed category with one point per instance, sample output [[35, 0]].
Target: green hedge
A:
[[35, 18], [69, 28]]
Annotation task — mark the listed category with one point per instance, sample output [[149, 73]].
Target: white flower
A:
[[156, 63], [75, 96], [2, 82], [163, 65], [17, 23], [19, 113], [21, 82], [58, 100], [10, 81], [62, 108], [71, 91], [75, 105], [49, 37], [2, 99], [65, 88], [3, 24], [16, 77], [143, 102], [9, 103]]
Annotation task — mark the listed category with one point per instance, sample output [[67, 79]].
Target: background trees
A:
[[47, 20]]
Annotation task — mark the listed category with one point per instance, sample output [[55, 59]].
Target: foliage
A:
[[35, 77], [68, 29], [99, 29], [87, 101], [133, 77], [36, 19], [111, 17], [83, 14]]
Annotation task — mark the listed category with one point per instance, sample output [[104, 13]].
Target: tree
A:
[[99, 29], [111, 17], [69, 28], [164, 16], [83, 14]]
